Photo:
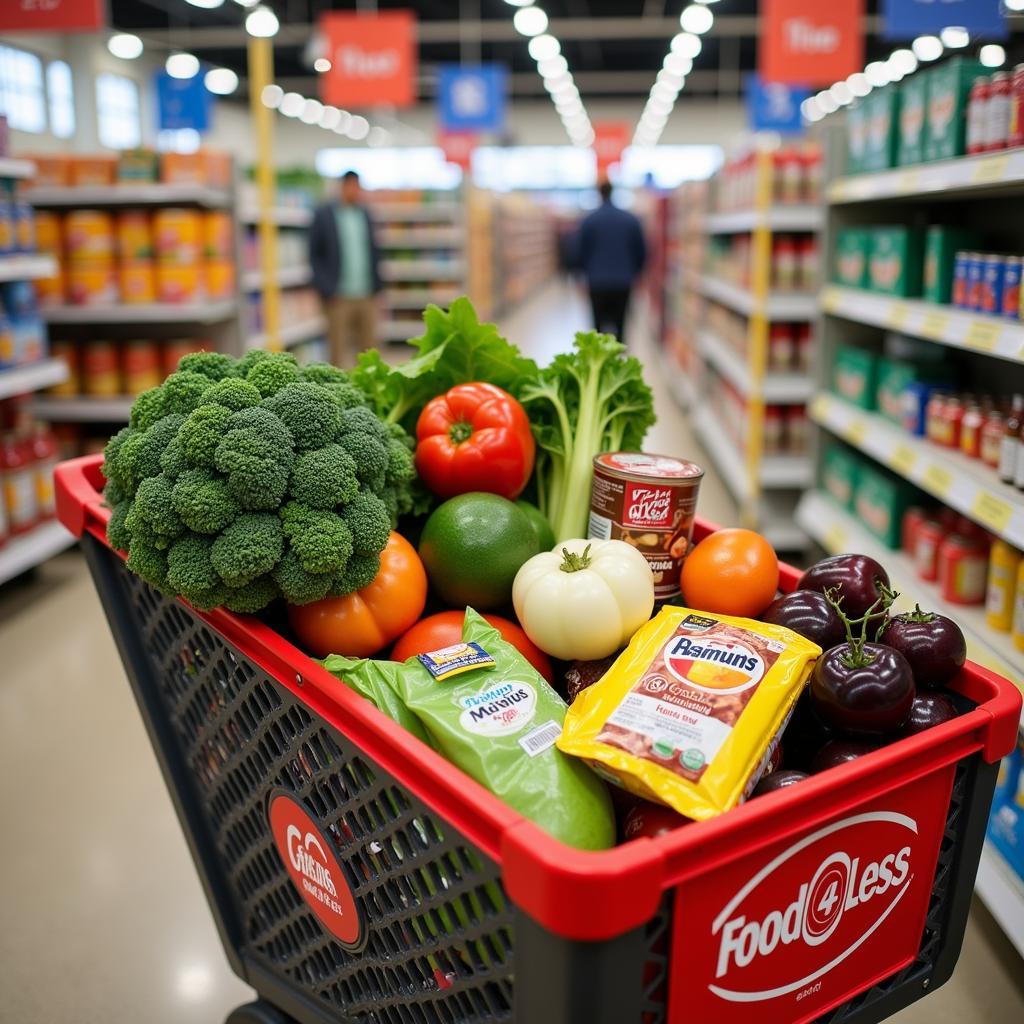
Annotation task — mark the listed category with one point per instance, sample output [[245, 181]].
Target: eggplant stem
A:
[[856, 656]]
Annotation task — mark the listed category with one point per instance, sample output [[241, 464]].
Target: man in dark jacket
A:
[[611, 255], [346, 272]]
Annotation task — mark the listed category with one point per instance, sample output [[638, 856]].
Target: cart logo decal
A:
[[810, 911], [314, 870]]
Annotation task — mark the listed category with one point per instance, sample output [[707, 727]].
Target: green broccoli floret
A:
[[203, 501], [202, 431], [369, 520], [297, 585], [273, 373], [214, 365], [256, 455], [184, 390], [118, 536], [190, 572], [321, 540], [234, 393], [139, 456], [172, 460], [252, 597], [113, 468], [370, 457], [401, 467], [346, 395], [248, 548], [308, 411], [250, 359], [148, 407], [360, 572], [114, 494], [324, 373], [155, 506], [148, 561], [324, 477], [361, 420]]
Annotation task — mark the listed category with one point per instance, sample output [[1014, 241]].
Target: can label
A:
[[992, 285], [1011, 288], [975, 281], [960, 280]]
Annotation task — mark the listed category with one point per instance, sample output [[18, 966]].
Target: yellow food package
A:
[[690, 711]]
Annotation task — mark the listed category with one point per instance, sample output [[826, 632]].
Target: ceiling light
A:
[[992, 55], [311, 111], [125, 45], [902, 62], [206, 5], [666, 90], [378, 137], [678, 64], [671, 77], [927, 47], [687, 44], [841, 93], [553, 67], [530, 21], [358, 128], [330, 118], [544, 46], [859, 84], [1013, 5], [826, 102], [272, 96], [659, 107], [571, 109], [519, 3], [344, 122], [561, 86], [291, 104], [321, 65], [811, 110], [247, 3], [182, 65], [877, 73], [221, 81], [955, 37], [262, 22], [696, 19]]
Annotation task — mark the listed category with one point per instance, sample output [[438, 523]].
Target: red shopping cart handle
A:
[[79, 484]]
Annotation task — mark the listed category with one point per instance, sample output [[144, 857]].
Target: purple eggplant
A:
[[778, 780], [808, 613], [933, 645], [859, 582], [837, 752], [927, 711]]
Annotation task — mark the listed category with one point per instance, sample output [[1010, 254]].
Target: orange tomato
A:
[[360, 624], [731, 572], [445, 629]]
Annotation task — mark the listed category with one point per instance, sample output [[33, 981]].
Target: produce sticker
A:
[[790, 930]]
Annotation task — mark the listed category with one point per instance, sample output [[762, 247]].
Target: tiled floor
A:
[[103, 920]]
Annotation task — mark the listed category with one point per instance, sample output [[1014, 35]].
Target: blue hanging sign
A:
[[471, 98], [773, 107], [907, 19], [182, 103]]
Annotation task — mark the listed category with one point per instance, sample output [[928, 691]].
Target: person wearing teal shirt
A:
[[346, 272]]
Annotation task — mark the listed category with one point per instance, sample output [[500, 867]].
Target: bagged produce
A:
[[486, 709], [690, 712]]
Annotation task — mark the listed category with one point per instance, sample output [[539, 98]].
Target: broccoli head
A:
[[203, 501], [148, 407], [370, 457], [113, 469], [202, 432], [233, 393], [148, 561], [359, 572], [253, 596], [401, 467], [214, 365], [247, 548], [369, 520], [360, 420], [190, 572], [308, 411], [172, 459], [323, 373], [250, 359], [117, 533], [324, 477], [139, 455], [271, 374], [345, 394], [183, 391], [256, 456], [321, 540], [154, 505], [297, 585]]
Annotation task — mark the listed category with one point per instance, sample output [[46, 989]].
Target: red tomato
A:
[[474, 438], [445, 629], [651, 820]]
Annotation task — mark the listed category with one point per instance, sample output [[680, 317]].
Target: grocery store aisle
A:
[[104, 919]]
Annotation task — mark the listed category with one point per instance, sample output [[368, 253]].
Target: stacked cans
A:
[[988, 283]]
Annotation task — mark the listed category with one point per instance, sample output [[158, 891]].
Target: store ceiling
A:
[[614, 47]]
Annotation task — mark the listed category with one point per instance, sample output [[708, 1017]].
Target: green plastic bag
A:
[[487, 710]]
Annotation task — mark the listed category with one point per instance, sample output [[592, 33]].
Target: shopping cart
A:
[[356, 876]]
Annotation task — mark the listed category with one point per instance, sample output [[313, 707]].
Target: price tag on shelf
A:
[[855, 432], [832, 299], [835, 539], [898, 314], [908, 181], [990, 170], [992, 511], [983, 335], [937, 479], [933, 325], [902, 459]]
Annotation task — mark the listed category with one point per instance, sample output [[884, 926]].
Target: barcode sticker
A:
[[536, 741]]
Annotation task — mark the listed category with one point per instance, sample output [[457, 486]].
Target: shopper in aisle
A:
[[611, 253], [346, 271]]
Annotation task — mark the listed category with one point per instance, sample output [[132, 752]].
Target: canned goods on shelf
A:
[[88, 236], [175, 283], [68, 352], [963, 569], [50, 290], [134, 236], [218, 236], [137, 282], [92, 285], [992, 284], [24, 228], [178, 236], [176, 348], [220, 279], [141, 365], [1011, 287], [48, 232], [7, 236], [101, 370]]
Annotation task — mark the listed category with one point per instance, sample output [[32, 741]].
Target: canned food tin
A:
[[137, 283], [960, 278], [6, 342], [141, 366], [218, 236], [48, 232], [929, 536], [92, 285], [975, 280], [1011, 287], [89, 236], [963, 569], [101, 372], [24, 228], [134, 236], [178, 236], [68, 353], [50, 290], [912, 520], [93, 170], [649, 502], [1004, 564], [7, 238], [178, 347], [992, 284], [220, 279], [176, 283]]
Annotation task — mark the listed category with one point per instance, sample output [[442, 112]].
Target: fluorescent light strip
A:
[[314, 113]]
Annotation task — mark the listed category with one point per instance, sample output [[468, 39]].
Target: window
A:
[[117, 111], [21, 90], [62, 99], [178, 140]]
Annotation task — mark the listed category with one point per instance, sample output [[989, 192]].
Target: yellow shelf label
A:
[[991, 169], [902, 459], [855, 431], [898, 314], [983, 335], [835, 539], [937, 480], [907, 181], [933, 325], [993, 512], [831, 299]]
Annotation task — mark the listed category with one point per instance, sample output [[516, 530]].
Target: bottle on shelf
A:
[[1004, 564], [17, 469], [44, 451], [1016, 133], [998, 113], [977, 115], [1018, 609], [1009, 452]]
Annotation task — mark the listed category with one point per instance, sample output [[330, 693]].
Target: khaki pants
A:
[[351, 328]]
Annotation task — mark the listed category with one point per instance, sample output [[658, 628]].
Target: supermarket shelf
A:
[[20, 554], [416, 270], [384, 213], [133, 194], [33, 377], [27, 268], [783, 388], [964, 176], [148, 313], [11, 168], [418, 299], [797, 217], [1002, 891], [962, 483], [83, 410], [292, 334], [777, 305], [991, 335], [419, 238], [838, 531], [680, 383], [282, 216], [287, 277], [399, 330]]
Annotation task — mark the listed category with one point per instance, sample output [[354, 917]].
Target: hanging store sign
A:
[[458, 147], [807, 42], [907, 19], [182, 103], [52, 15], [774, 107], [610, 140], [373, 59], [471, 99]]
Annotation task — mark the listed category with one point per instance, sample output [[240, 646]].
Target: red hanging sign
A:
[[373, 59], [610, 139], [458, 147], [52, 15], [806, 42]]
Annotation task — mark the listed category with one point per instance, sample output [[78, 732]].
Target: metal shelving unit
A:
[[144, 313], [25, 552], [83, 409], [20, 380], [27, 267], [130, 194]]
